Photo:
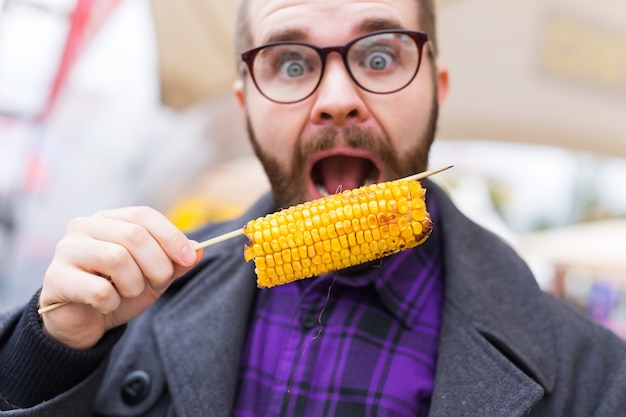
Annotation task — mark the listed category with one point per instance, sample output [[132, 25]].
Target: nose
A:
[[338, 99]]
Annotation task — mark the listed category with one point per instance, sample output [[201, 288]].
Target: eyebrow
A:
[[299, 34], [377, 23], [289, 34]]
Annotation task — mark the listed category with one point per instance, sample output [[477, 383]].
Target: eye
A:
[[293, 68], [375, 57], [377, 61]]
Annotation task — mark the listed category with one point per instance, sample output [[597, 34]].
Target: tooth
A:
[[322, 190], [369, 181]]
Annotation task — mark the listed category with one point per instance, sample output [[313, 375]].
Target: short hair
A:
[[243, 36]]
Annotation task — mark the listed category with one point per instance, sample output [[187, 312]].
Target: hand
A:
[[111, 267]]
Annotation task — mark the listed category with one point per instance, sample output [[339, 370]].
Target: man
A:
[[454, 327]]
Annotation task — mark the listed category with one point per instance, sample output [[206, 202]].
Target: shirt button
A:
[[308, 320], [136, 387]]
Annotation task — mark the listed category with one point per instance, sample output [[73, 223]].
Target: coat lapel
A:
[[200, 341], [475, 379], [201, 336], [495, 350]]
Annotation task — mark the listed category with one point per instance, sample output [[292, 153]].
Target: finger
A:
[[79, 286], [106, 259], [173, 241], [131, 246], [180, 270]]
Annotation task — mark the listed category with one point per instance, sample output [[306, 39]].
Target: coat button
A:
[[136, 387], [308, 320]]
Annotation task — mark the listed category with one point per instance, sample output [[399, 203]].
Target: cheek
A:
[[407, 117], [276, 127]]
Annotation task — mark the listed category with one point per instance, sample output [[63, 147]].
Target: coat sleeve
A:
[[39, 377]]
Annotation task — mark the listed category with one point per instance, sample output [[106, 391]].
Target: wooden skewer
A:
[[218, 239], [51, 307], [238, 232], [422, 175]]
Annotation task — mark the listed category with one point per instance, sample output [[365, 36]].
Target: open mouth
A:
[[335, 173]]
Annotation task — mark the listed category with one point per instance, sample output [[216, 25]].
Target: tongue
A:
[[343, 172]]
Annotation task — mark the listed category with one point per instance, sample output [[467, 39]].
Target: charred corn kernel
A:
[[337, 231]]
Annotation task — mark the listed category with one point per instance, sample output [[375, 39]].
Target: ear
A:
[[443, 83], [238, 90]]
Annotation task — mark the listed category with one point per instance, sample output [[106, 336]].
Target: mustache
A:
[[354, 137], [328, 138]]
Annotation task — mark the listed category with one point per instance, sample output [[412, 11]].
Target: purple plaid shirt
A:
[[347, 344]]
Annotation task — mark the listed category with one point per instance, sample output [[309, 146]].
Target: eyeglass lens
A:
[[379, 63]]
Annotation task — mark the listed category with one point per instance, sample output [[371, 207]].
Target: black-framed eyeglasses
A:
[[380, 62]]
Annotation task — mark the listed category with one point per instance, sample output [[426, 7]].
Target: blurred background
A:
[[108, 103]]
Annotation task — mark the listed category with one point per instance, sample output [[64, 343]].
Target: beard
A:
[[289, 182]]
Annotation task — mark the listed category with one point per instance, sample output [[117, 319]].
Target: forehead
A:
[[327, 21]]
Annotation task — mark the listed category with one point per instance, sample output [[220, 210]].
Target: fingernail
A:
[[188, 255]]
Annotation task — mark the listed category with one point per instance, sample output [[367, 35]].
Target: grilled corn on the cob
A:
[[337, 231]]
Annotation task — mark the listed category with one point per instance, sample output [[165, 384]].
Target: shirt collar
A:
[[407, 280]]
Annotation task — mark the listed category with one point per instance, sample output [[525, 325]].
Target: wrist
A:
[[35, 368]]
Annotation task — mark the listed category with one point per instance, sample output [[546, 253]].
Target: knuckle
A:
[[76, 224], [162, 275], [101, 214], [132, 292], [63, 245], [142, 212], [135, 235], [52, 271], [174, 235], [102, 294], [117, 257]]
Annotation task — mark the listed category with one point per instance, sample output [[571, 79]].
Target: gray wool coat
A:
[[506, 348]]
